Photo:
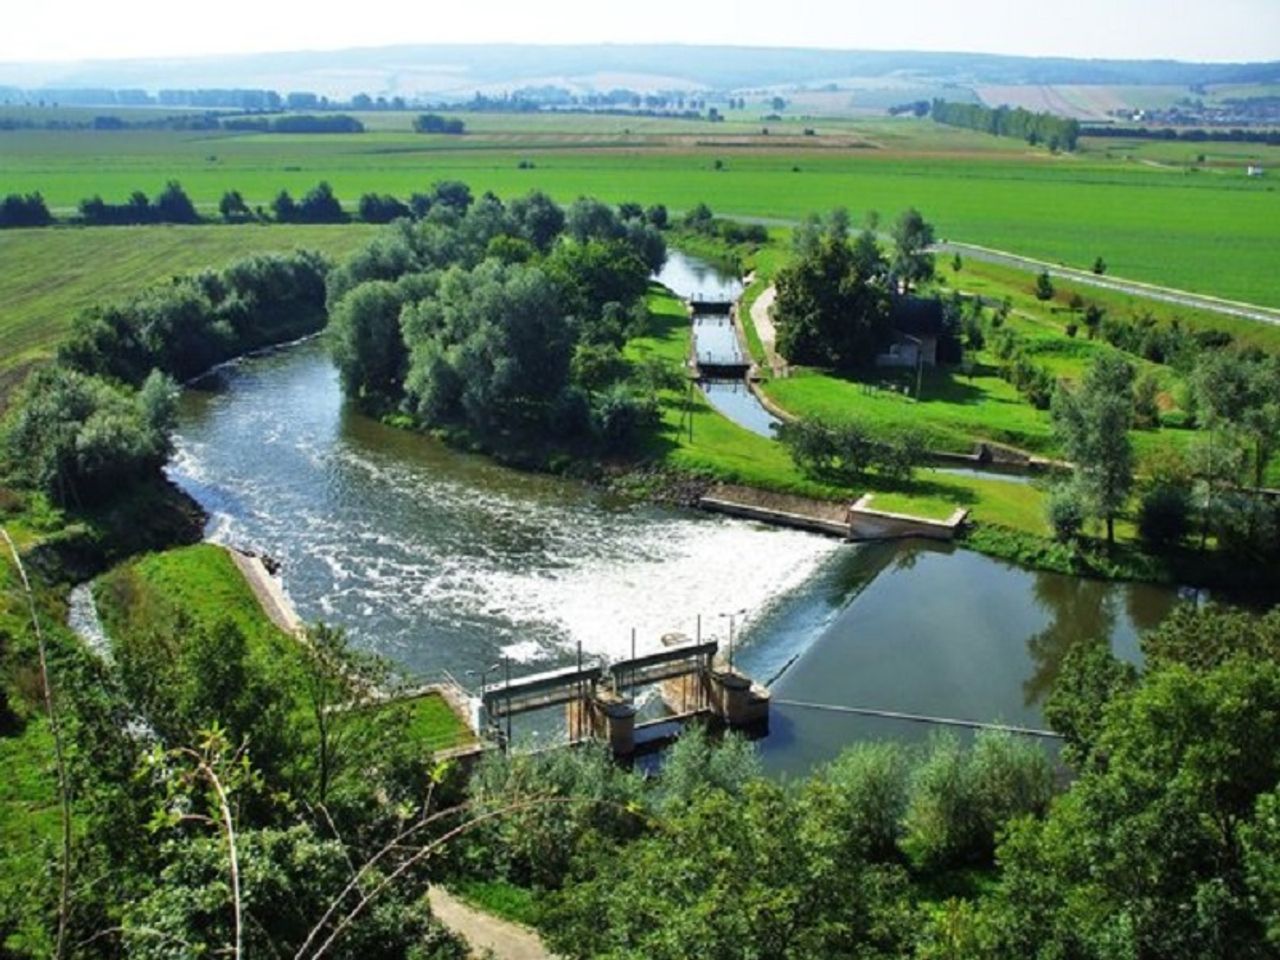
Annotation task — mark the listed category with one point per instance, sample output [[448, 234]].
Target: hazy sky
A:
[[1176, 29]]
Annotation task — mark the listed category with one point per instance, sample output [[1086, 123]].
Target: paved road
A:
[[1183, 298]]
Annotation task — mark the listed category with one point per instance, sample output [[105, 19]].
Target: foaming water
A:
[[447, 561]]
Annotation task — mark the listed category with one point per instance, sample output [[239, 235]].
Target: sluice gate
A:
[[599, 698]]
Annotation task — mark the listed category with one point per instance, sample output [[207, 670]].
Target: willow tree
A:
[[1093, 424]]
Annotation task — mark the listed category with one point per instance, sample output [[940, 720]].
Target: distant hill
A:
[[459, 71]]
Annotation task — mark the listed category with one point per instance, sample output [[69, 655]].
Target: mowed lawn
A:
[[720, 448], [1214, 231], [48, 276]]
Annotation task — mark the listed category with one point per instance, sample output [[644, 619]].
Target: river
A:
[[445, 561]]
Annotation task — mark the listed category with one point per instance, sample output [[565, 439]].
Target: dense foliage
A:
[[501, 319]]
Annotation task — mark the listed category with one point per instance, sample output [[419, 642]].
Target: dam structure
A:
[[601, 700]]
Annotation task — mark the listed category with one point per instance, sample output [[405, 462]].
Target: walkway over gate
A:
[[598, 702]]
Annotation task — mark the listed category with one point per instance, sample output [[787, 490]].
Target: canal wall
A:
[[780, 509], [866, 523]]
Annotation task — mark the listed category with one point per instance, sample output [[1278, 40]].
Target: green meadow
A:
[[1212, 231], [48, 276]]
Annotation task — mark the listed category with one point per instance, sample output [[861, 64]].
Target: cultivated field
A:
[[1213, 231]]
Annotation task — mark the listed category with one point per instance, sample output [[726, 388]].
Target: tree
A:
[[1099, 266], [381, 208], [956, 263], [17, 210], [1093, 316], [367, 345], [491, 347], [1155, 851], [320, 205], [1044, 286], [284, 207], [232, 207], [832, 307], [538, 218], [172, 205], [78, 438], [434, 123], [912, 237], [1093, 425]]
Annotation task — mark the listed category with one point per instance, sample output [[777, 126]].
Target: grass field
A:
[[48, 276], [1213, 231]]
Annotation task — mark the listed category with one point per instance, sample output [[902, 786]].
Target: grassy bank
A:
[[202, 585], [719, 448]]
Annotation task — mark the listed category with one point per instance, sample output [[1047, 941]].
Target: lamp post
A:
[[732, 615]]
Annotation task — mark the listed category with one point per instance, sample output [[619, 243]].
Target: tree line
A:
[[1192, 135], [1050, 130], [173, 205], [296, 123]]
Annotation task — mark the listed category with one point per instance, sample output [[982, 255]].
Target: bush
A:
[[1066, 512], [1164, 516], [864, 793], [381, 208], [77, 437], [961, 799], [621, 413]]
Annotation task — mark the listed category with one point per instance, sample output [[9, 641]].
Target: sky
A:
[[1218, 30]]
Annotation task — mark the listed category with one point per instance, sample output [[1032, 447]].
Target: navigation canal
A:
[[715, 341], [446, 561]]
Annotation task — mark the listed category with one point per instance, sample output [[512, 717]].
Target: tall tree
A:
[[1093, 425], [832, 307], [912, 237]]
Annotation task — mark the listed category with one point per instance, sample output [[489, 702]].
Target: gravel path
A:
[[506, 940], [761, 317]]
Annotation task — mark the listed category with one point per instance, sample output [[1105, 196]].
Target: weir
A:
[[600, 702]]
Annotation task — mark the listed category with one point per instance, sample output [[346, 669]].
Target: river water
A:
[[447, 562]]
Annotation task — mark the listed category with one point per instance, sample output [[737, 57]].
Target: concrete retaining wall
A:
[[868, 524]]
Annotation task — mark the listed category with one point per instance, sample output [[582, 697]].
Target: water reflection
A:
[[946, 632]]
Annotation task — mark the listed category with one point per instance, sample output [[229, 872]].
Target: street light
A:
[[732, 615]]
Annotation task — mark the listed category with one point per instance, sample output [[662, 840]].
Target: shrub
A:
[[1066, 512], [961, 799], [864, 793], [1164, 516]]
